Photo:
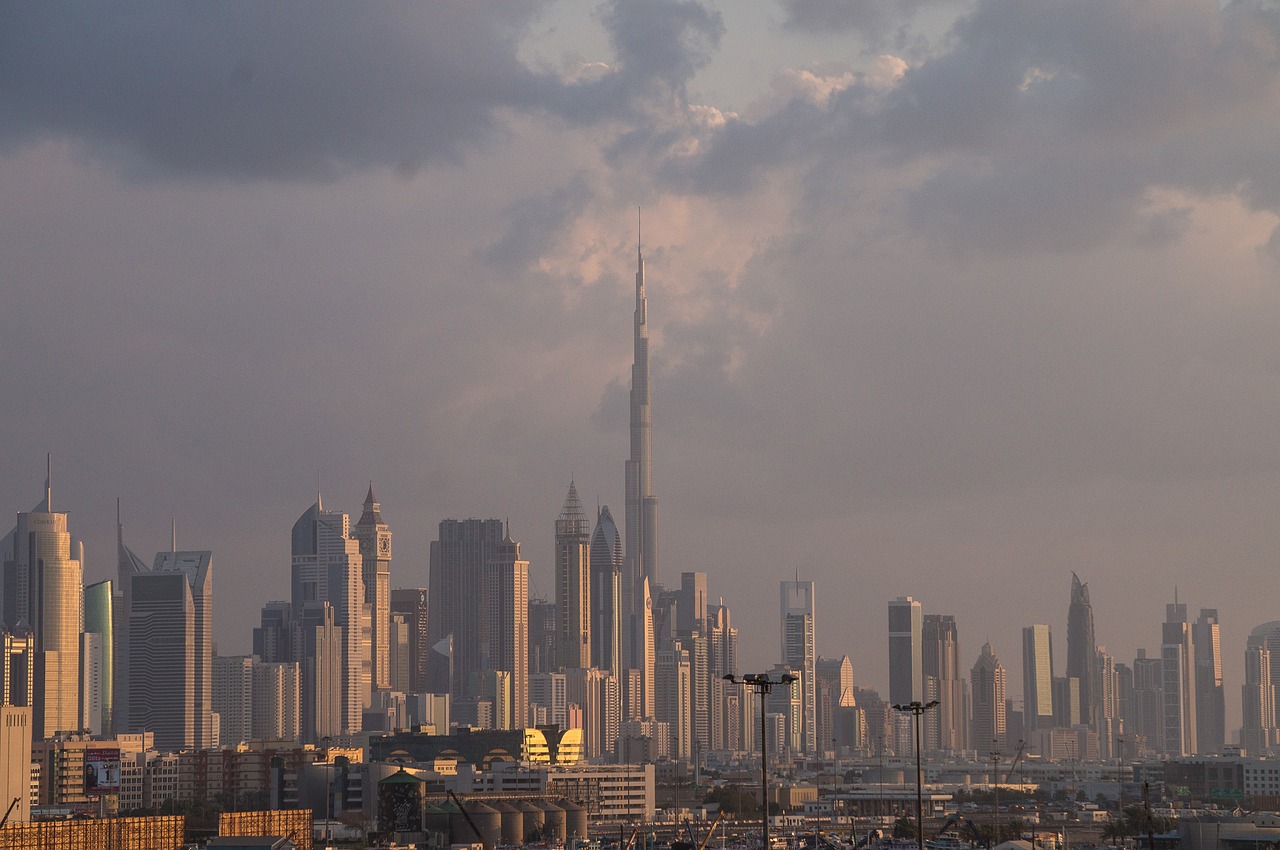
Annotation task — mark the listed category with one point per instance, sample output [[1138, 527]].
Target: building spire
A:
[[173, 534], [48, 478]]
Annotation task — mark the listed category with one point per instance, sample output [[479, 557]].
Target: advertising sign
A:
[[101, 772]]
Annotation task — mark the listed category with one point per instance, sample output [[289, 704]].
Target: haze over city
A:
[[945, 299]]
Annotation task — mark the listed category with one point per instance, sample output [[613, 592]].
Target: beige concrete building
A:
[[43, 587], [15, 761]]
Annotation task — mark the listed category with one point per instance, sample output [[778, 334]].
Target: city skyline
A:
[[992, 302]]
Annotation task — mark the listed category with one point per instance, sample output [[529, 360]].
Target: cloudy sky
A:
[[948, 299]]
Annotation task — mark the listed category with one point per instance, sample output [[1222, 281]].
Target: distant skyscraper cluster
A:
[[638, 666]]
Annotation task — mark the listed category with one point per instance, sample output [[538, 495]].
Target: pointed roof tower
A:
[[572, 519], [372, 510]]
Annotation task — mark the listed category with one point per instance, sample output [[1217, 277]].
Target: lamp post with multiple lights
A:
[[917, 708], [762, 685]]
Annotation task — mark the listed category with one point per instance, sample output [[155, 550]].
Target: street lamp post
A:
[[917, 708], [761, 684], [995, 770]]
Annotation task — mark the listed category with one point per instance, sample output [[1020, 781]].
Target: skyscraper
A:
[[412, 603], [573, 584], [171, 650], [946, 728], [374, 537], [506, 639], [1081, 648], [43, 592], [799, 652], [457, 583], [128, 564], [1257, 700], [606, 594], [906, 625], [988, 689], [1037, 678], [97, 688], [1177, 672], [1211, 720], [327, 567], [691, 608], [641, 504]]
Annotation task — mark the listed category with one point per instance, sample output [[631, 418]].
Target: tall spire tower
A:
[[641, 559]]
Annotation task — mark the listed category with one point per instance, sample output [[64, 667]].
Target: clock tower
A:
[[375, 554]]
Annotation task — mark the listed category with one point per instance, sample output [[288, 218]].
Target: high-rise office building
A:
[[573, 584], [606, 593], [327, 567], [988, 691], [674, 699], [318, 643], [400, 659], [273, 639], [1037, 678], [725, 699], [1177, 672], [641, 553], [906, 650], [128, 564], [1082, 649], [17, 669], [799, 652], [835, 702], [276, 701], [459, 558], [595, 691], [946, 727], [549, 692], [374, 538], [1257, 701], [1211, 719], [97, 658], [691, 610], [505, 643], [543, 637], [411, 602], [171, 651], [43, 591], [1148, 702], [233, 698]]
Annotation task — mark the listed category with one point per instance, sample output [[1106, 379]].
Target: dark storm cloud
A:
[[304, 90], [251, 90]]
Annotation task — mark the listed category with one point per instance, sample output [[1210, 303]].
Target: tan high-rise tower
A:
[[375, 555], [43, 591], [573, 584], [505, 644], [641, 553]]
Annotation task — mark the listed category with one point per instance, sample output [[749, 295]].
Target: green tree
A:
[[733, 799], [904, 827]]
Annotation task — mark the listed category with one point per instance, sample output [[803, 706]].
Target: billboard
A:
[[101, 772]]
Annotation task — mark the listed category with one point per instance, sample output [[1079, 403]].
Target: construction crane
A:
[[693, 843], [463, 809], [9, 811]]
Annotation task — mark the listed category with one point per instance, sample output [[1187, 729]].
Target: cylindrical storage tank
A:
[[435, 818], [512, 824], [553, 828], [575, 819], [486, 818], [534, 818]]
